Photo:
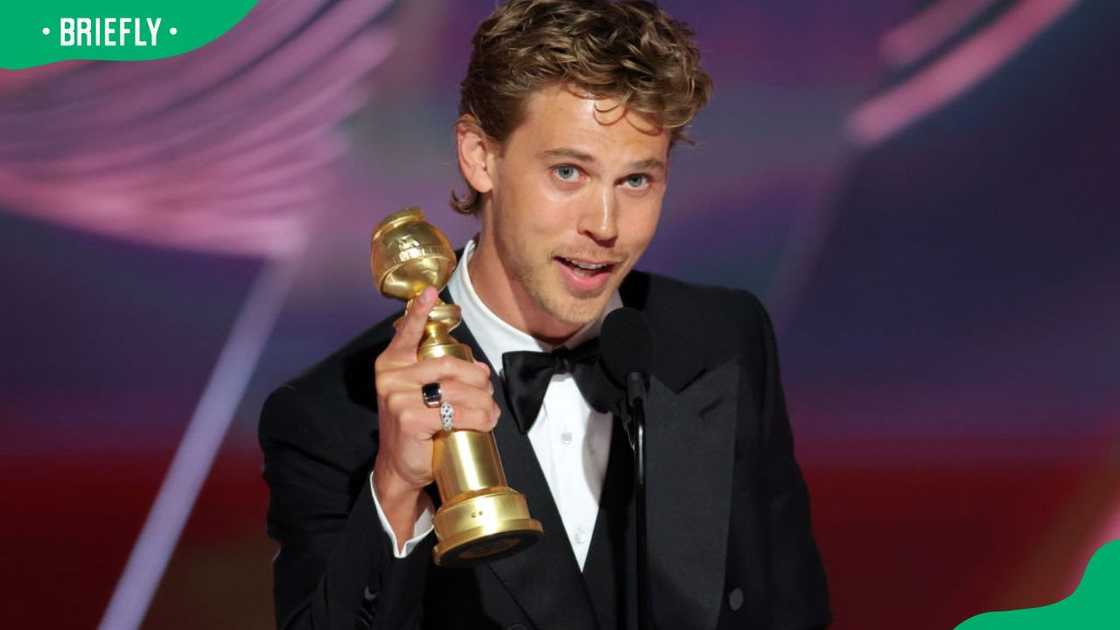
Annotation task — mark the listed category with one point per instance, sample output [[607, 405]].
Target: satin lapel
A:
[[690, 439], [544, 579]]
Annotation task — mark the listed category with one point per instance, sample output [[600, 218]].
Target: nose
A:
[[599, 219]]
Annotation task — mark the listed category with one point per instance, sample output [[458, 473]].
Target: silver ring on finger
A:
[[431, 394], [447, 416]]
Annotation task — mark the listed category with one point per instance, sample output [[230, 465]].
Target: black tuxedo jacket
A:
[[728, 512]]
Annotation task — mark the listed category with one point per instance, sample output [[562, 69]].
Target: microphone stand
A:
[[635, 401]]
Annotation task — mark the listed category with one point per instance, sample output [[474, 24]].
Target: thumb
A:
[[410, 328]]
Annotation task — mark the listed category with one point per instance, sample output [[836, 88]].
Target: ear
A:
[[475, 154]]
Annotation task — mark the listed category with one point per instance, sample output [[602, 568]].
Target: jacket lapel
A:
[[691, 419], [690, 457], [544, 579], [690, 439]]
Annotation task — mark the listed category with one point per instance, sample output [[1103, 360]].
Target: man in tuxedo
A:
[[568, 114]]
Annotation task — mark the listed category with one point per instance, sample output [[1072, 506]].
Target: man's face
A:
[[575, 201]]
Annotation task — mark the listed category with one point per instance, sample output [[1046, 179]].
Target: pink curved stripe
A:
[[917, 37], [946, 79], [314, 99]]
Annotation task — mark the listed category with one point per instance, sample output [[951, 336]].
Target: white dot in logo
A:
[[46, 30], [173, 31]]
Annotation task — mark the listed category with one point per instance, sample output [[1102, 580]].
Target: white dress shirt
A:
[[571, 440]]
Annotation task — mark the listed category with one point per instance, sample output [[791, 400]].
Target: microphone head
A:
[[626, 344]]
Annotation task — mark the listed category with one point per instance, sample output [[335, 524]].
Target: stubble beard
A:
[[543, 286]]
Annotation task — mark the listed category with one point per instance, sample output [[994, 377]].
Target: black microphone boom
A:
[[626, 346]]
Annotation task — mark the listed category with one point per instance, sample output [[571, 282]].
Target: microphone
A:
[[626, 347], [626, 344], [626, 354]]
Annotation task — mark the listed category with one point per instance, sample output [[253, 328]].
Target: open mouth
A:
[[585, 278], [586, 268]]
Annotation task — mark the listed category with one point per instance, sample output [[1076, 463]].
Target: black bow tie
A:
[[527, 375]]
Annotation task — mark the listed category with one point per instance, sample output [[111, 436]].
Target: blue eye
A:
[[567, 173], [637, 180]]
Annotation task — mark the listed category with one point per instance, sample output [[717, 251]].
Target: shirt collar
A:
[[496, 336]]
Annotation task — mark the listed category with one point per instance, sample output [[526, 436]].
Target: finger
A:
[[402, 348], [474, 419], [485, 367], [424, 423], [462, 395], [439, 370]]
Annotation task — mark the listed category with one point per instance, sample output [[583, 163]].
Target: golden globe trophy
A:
[[480, 516]]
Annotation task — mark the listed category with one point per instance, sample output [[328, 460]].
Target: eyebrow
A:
[[580, 156], [648, 164], [571, 154]]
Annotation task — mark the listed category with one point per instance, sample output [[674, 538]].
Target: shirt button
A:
[[566, 438], [581, 536], [735, 599]]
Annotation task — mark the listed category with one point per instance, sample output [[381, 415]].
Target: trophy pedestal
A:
[[480, 516], [491, 525]]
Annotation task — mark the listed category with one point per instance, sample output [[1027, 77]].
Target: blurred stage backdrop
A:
[[924, 193]]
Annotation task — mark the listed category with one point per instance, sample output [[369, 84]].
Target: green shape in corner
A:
[[1094, 604], [39, 32]]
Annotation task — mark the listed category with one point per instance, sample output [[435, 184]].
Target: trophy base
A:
[[484, 527]]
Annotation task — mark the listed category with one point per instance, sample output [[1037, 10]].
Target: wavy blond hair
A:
[[630, 50]]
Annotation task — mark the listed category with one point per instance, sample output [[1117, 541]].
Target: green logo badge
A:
[[1094, 604], [46, 31]]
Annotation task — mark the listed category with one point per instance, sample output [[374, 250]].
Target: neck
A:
[[509, 300]]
